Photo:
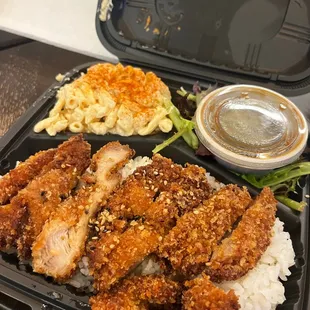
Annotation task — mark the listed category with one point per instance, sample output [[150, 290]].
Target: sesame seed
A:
[[196, 212], [307, 196], [160, 238], [112, 246], [155, 172], [141, 227], [96, 227], [94, 238], [165, 182]]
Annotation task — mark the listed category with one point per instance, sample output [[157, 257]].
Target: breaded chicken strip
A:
[[112, 257], [241, 251], [203, 295], [45, 193], [136, 195], [189, 245], [20, 176], [137, 293], [61, 243], [187, 187]]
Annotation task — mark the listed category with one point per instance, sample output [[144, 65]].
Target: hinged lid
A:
[[265, 42]]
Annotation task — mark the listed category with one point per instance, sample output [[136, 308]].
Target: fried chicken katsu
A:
[[111, 258], [12, 214], [19, 177], [45, 193], [61, 243], [138, 293], [240, 252], [138, 238], [156, 195], [203, 295], [189, 245], [183, 188]]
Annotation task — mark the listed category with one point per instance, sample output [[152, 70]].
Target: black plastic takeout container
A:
[[23, 289], [20, 284]]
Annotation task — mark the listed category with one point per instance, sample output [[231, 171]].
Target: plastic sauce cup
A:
[[251, 129]]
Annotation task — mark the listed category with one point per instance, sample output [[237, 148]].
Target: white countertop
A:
[[69, 24]]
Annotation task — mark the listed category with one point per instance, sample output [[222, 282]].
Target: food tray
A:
[[20, 284]]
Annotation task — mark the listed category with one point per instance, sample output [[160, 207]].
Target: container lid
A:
[[251, 127], [255, 42]]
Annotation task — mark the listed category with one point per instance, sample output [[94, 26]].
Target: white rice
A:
[[147, 267], [261, 288], [81, 279], [133, 164]]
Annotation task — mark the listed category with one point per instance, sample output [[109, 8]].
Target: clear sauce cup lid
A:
[[251, 127]]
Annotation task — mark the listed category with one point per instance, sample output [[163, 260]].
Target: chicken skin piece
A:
[[203, 295], [242, 250], [189, 245], [138, 293], [44, 194], [17, 178], [61, 243]]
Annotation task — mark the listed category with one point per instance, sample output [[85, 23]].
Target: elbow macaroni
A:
[[81, 108]]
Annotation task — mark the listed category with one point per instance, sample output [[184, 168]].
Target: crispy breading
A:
[[202, 294], [61, 243], [155, 289], [185, 188], [241, 251], [45, 193], [12, 215], [19, 177], [137, 293], [118, 301], [136, 195], [189, 244], [125, 251]]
